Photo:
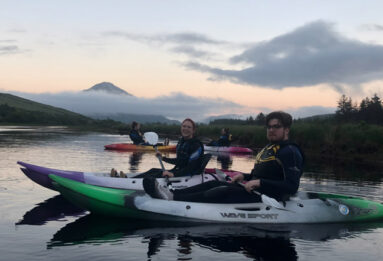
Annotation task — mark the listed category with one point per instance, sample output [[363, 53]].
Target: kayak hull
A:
[[228, 149], [132, 147], [305, 207], [40, 174]]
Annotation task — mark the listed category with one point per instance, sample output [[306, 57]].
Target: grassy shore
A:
[[358, 141]]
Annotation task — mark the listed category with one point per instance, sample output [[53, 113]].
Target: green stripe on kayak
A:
[[362, 209], [330, 195], [108, 195]]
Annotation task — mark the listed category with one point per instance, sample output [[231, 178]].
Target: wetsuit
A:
[[136, 137], [224, 141], [278, 166], [188, 161]]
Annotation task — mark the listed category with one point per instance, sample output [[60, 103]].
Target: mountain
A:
[[128, 118], [107, 87], [14, 109]]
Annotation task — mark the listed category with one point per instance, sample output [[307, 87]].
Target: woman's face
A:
[[187, 130]]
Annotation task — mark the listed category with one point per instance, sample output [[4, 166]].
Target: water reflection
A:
[[259, 242], [134, 160], [243, 239], [225, 160], [54, 208]]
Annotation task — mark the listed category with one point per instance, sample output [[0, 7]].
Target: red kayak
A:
[[132, 147]]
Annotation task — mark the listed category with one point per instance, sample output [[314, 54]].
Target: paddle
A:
[[152, 139], [265, 199]]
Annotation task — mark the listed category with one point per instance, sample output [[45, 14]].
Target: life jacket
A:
[[187, 151], [136, 137], [268, 164]]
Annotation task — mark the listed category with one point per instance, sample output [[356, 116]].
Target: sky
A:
[[193, 58]]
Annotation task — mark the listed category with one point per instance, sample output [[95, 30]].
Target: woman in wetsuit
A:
[[189, 153]]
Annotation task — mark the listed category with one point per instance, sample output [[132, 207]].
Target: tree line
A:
[[260, 119], [370, 110]]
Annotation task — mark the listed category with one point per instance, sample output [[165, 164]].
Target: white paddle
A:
[[152, 139], [265, 199]]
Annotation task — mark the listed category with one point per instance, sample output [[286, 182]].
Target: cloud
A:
[[178, 38], [9, 49], [310, 55], [372, 27], [191, 51], [193, 45], [175, 106]]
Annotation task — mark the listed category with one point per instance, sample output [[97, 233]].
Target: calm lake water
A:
[[38, 224]]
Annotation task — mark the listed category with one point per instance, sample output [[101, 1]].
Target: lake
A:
[[38, 224]]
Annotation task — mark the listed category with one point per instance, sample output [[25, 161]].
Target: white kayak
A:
[[304, 207]]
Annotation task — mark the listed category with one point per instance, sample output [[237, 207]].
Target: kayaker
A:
[[276, 173], [135, 134], [224, 140], [189, 153]]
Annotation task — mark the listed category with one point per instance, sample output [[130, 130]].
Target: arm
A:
[[170, 160], [292, 161]]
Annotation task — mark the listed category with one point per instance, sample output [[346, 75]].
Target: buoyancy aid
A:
[[268, 163]]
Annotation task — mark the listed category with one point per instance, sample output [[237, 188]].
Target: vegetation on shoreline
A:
[[354, 132]]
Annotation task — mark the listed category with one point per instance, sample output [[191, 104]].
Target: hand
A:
[[158, 155], [167, 173], [237, 178], [252, 184]]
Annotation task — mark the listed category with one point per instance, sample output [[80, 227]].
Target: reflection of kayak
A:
[[305, 207], [228, 149], [40, 175], [55, 208], [132, 147], [93, 228]]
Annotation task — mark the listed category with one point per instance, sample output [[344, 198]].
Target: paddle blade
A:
[[151, 138], [271, 202], [222, 175]]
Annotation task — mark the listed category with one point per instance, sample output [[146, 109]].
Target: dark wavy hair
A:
[[284, 118]]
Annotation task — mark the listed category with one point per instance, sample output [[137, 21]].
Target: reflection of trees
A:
[[343, 169], [135, 160]]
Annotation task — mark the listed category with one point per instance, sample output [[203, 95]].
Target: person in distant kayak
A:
[[189, 153], [224, 140], [276, 173], [135, 134]]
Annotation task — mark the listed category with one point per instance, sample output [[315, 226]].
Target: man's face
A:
[[276, 132]]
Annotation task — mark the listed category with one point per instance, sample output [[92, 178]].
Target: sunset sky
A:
[[195, 57]]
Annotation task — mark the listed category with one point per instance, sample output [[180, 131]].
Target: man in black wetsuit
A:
[[189, 157], [276, 173]]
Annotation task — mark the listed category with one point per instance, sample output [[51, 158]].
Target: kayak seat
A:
[[204, 162]]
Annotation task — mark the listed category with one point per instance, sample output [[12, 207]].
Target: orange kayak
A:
[[132, 147]]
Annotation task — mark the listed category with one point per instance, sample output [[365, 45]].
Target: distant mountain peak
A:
[[107, 87]]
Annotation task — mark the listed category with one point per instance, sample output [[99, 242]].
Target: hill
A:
[[14, 109], [107, 87], [128, 118]]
